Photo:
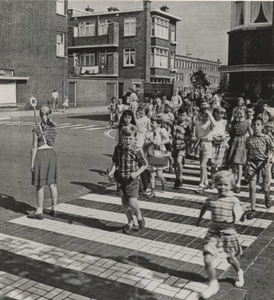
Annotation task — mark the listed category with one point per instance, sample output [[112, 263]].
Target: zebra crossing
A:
[[58, 125], [83, 253]]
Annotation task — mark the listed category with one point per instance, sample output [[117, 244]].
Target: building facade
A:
[[33, 52], [251, 50], [111, 52], [185, 66]]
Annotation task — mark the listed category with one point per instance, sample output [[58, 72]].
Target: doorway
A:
[[72, 93], [111, 91]]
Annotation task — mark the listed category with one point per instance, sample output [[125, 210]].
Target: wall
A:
[[92, 92], [28, 45]]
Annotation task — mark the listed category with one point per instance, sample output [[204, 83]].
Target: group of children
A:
[[144, 136]]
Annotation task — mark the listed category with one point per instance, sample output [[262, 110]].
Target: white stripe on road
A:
[[91, 129], [70, 126], [174, 209], [102, 267], [88, 126], [162, 249], [62, 124]]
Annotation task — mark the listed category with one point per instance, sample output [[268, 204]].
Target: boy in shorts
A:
[[129, 162], [259, 150], [181, 133], [204, 132]]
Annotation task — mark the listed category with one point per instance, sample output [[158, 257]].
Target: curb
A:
[[5, 118]]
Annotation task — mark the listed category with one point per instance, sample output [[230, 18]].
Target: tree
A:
[[224, 83], [199, 80]]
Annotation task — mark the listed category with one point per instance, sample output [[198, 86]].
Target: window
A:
[[160, 28], [103, 27], [239, 6], [87, 59], [60, 44], [172, 33], [129, 26], [172, 60], [86, 29], [129, 57], [159, 58], [60, 7], [260, 12], [102, 58]]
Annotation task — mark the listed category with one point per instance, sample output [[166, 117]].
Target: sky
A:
[[202, 31]]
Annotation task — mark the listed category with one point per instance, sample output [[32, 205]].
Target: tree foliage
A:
[[199, 80], [224, 83]]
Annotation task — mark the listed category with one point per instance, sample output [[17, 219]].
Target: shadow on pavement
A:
[[93, 187], [100, 172], [99, 117], [10, 203]]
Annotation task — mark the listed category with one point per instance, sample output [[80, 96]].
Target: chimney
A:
[[164, 8], [89, 9], [113, 9]]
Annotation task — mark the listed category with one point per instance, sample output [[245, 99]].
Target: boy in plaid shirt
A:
[[181, 133], [129, 162], [260, 148]]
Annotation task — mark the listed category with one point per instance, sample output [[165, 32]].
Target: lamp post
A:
[[193, 80]]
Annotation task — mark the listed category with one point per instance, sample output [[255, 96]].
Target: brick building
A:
[[251, 49], [33, 52], [113, 51], [186, 65]]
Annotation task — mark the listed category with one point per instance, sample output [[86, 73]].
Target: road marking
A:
[[91, 129], [69, 126], [88, 126]]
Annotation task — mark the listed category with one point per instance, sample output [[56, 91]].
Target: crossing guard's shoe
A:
[[33, 215]]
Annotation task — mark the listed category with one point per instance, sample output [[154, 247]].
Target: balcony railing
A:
[[109, 69], [111, 38]]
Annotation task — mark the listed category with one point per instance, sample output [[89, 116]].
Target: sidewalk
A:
[[6, 115]]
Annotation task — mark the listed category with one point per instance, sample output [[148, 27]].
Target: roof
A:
[[196, 59], [247, 68], [82, 13], [165, 14]]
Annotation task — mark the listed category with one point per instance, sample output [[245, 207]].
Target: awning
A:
[[247, 68]]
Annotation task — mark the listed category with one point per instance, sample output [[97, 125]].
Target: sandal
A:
[[250, 214], [151, 195], [200, 189], [267, 202], [128, 229], [141, 223]]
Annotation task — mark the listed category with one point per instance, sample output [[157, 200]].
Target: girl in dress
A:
[[219, 143], [43, 163], [127, 120], [237, 150]]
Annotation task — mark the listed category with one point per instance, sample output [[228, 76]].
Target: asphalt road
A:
[[82, 156]]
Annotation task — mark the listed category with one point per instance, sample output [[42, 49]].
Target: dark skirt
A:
[[45, 168]]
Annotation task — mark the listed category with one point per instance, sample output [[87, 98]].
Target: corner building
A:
[[113, 51], [251, 50], [33, 52]]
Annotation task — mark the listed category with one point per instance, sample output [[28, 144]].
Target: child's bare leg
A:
[[40, 199], [213, 172], [127, 210], [54, 194], [160, 175], [252, 194], [134, 206], [203, 170], [213, 287], [152, 182], [239, 175], [179, 167], [240, 274], [211, 272]]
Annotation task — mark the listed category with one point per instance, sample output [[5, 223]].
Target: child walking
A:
[[130, 162], [65, 104], [181, 134], [260, 148], [225, 210], [43, 163], [156, 140], [237, 150], [204, 133], [127, 120], [119, 109], [112, 113], [219, 143]]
